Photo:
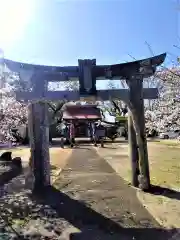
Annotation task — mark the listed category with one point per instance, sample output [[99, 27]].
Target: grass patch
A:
[[169, 142], [164, 163]]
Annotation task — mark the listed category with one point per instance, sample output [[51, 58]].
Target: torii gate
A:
[[87, 72]]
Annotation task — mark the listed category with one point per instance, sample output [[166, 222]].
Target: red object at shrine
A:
[[82, 112]]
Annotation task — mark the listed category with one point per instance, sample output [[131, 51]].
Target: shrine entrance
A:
[[87, 72], [82, 116]]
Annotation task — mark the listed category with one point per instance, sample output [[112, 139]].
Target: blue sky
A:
[[56, 32]]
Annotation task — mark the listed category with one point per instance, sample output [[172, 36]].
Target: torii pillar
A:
[[38, 126], [138, 144]]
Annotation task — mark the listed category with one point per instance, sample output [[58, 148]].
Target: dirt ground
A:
[[58, 159], [58, 156], [164, 161]]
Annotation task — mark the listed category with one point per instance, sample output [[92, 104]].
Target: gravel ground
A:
[[6, 174], [29, 219], [24, 217], [4, 169]]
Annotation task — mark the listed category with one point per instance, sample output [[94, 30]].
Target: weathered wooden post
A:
[[133, 151], [102, 142], [93, 127], [136, 105], [38, 126], [62, 142], [72, 134], [100, 134]]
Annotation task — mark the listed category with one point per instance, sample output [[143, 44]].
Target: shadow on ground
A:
[[166, 192], [93, 224], [6, 177], [139, 234]]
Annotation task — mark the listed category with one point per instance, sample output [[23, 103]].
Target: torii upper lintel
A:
[[114, 71]]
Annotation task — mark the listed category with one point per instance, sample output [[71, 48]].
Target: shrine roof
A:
[[81, 112]]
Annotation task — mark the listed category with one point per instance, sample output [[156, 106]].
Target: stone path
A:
[[93, 196]]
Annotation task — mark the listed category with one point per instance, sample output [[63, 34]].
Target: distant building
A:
[[81, 115]]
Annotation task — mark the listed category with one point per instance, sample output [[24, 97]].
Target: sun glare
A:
[[14, 17]]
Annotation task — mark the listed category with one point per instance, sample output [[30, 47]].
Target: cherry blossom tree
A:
[[12, 112], [164, 113]]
